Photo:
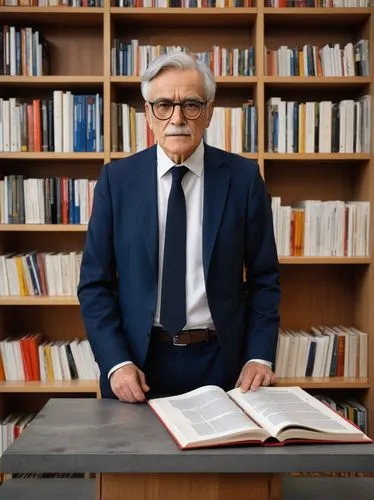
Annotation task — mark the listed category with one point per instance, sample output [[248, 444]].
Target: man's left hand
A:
[[253, 375]]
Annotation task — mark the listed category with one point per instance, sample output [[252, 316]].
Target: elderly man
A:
[[162, 293]]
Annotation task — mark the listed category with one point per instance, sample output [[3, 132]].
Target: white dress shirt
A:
[[197, 309]]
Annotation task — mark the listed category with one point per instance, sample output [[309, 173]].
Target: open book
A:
[[209, 416]]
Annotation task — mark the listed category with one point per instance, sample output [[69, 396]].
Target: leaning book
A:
[[209, 416]]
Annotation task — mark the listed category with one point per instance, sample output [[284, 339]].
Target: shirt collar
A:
[[195, 162]]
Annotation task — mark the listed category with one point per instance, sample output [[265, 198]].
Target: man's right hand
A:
[[128, 384]]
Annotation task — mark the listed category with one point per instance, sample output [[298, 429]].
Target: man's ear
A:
[[209, 114], [148, 114]]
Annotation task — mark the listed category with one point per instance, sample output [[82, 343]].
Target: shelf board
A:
[[126, 80], [185, 18], [63, 228], [290, 16], [52, 81], [325, 260], [54, 16], [51, 156], [235, 81], [318, 156], [324, 382], [222, 81], [315, 81], [71, 386], [38, 301]]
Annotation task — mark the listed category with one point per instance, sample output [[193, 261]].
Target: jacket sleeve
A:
[[262, 276], [97, 290]]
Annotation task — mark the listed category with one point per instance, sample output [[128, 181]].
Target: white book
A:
[[66, 123], [78, 360], [342, 126], [58, 121], [349, 125], [325, 126], [126, 133], [16, 346], [4, 278], [1, 126], [290, 146], [64, 360], [293, 352], [56, 362], [42, 365], [9, 362], [310, 124], [13, 60], [6, 125], [282, 130]]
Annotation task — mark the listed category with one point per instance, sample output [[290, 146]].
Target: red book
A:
[[37, 125]]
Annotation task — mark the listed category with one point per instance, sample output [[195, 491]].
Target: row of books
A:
[[163, 4], [241, 3], [186, 3], [234, 129], [30, 358], [314, 228], [311, 60], [324, 351], [65, 123], [11, 427], [323, 127], [130, 131], [23, 51], [319, 3], [131, 59], [40, 273], [51, 3], [350, 409], [51, 200]]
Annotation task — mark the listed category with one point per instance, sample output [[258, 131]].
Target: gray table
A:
[[135, 454]]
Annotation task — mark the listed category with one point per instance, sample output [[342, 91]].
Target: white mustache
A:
[[173, 130]]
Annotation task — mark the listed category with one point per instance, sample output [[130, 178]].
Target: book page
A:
[[277, 408], [205, 415]]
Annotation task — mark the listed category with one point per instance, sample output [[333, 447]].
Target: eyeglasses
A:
[[164, 109]]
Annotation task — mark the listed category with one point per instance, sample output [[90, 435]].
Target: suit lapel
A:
[[216, 183], [145, 198]]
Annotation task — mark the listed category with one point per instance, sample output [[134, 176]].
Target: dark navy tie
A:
[[173, 287]]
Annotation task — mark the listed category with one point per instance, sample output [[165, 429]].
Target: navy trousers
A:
[[172, 370]]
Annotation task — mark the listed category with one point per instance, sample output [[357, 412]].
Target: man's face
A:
[[178, 136]]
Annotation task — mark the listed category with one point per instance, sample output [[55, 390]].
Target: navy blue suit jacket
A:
[[119, 273]]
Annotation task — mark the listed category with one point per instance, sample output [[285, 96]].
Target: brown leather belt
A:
[[186, 337]]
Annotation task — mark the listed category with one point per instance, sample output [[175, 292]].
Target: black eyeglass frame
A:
[[177, 103]]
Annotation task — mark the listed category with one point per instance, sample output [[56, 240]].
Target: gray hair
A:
[[178, 60]]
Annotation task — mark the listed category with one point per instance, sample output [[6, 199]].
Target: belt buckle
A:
[[176, 343]]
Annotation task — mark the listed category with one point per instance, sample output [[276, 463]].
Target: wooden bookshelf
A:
[[68, 228], [325, 260], [51, 156], [55, 16], [325, 383], [38, 301], [333, 157], [222, 81], [68, 386], [316, 290]]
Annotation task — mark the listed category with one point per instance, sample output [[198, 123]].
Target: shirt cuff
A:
[[112, 370], [261, 361]]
